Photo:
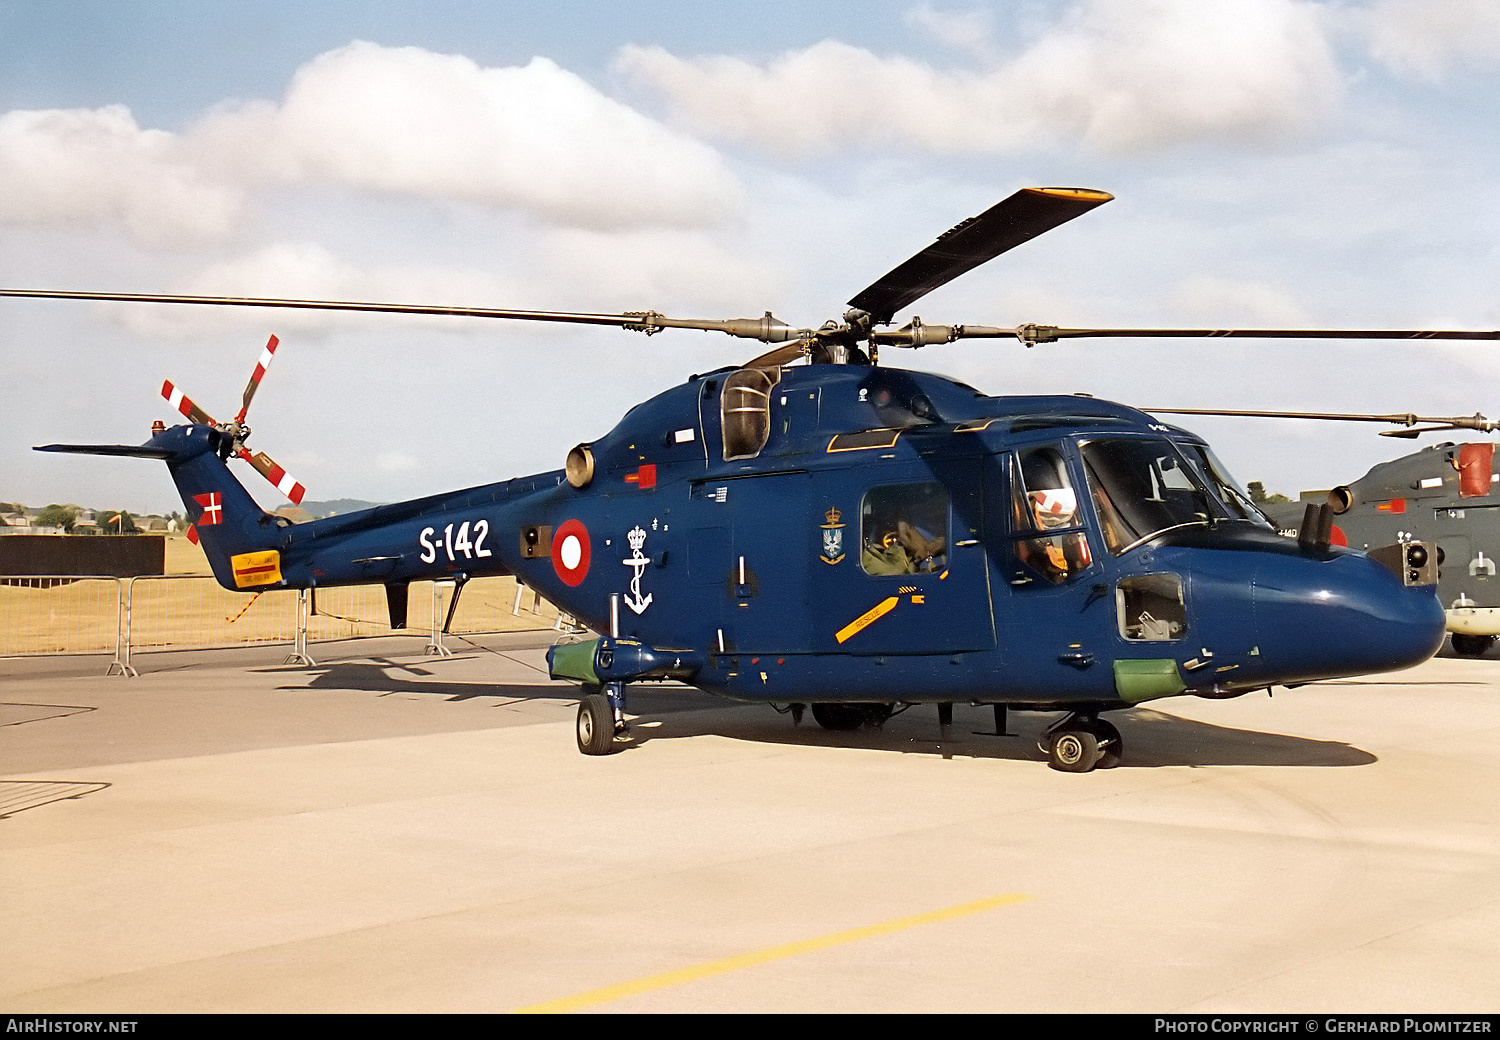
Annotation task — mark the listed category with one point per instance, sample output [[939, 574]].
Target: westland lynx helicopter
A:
[[859, 538], [1444, 496]]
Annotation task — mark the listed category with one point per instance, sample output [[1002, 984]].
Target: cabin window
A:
[[1150, 607], [1044, 511], [745, 411], [903, 529]]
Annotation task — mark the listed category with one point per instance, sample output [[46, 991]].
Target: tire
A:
[[1471, 646], [842, 717], [846, 717], [1073, 750], [596, 725]]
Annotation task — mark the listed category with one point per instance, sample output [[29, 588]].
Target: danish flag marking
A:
[[213, 509]]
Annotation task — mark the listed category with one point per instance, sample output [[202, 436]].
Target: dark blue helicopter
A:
[[857, 538]]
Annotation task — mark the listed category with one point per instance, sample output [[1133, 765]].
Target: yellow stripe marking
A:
[[868, 618], [683, 976]]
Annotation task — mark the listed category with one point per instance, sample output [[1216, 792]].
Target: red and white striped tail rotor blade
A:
[[180, 401], [263, 363], [280, 478]]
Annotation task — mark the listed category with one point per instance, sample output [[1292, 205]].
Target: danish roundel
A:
[[570, 552]]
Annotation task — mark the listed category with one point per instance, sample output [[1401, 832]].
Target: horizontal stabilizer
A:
[[139, 451]]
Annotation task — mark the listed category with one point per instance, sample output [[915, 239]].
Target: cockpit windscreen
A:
[[1143, 487]]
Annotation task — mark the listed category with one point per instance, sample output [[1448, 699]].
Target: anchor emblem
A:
[[639, 561]]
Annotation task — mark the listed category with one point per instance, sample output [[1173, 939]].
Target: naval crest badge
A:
[[833, 537]]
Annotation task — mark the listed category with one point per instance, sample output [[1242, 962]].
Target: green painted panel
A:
[[574, 661], [1146, 680]]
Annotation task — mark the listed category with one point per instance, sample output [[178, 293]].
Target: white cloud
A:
[[1429, 37], [79, 168], [968, 32], [309, 271], [1113, 75], [399, 122], [397, 462], [1219, 301], [657, 268], [411, 122]]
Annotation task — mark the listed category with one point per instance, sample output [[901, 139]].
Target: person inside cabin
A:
[[1045, 501], [904, 529]]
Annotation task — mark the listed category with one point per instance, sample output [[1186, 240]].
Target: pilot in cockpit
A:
[[1049, 504]]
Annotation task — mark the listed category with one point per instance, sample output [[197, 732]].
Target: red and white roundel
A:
[[570, 552]]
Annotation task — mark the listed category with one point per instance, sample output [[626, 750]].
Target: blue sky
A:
[[1274, 162]]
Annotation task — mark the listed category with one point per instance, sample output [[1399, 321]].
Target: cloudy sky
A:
[[1274, 162]]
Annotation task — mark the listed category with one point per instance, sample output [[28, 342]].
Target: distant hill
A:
[[307, 511], [336, 505]]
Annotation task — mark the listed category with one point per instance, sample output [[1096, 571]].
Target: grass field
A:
[[186, 608], [183, 557]]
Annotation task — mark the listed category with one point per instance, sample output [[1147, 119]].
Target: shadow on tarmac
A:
[[1151, 739], [387, 677], [670, 711]]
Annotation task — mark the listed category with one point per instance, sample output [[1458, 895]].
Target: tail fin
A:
[[239, 538]]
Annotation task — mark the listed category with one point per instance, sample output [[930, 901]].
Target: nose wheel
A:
[[1080, 743], [600, 720]]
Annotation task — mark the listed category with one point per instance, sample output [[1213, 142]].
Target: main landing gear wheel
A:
[[850, 716], [596, 725], [1471, 646], [1078, 745]]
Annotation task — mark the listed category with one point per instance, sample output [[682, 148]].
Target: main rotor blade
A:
[[919, 334], [782, 355], [1443, 422], [1005, 225], [767, 329], [1034, 334]]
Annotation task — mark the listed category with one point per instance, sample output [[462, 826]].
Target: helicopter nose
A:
[[1344, 615]]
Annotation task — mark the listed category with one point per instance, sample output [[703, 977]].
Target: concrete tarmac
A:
[[390, 832]]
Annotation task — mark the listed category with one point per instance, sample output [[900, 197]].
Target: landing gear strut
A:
[[1078, 743]]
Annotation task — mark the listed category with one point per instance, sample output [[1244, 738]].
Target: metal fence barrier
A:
[[69, 614], [60, 615]]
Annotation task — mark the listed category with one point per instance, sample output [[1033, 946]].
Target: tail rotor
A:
[[237, 430]]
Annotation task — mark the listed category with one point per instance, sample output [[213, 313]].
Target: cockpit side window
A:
[[903, 529], [1045, 516], [745, 411], [1235, 498]]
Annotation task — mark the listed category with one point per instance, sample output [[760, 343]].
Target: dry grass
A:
[[188, 609], [183, 557]]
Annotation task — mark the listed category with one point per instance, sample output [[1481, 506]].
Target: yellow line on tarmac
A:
[[774, 953]]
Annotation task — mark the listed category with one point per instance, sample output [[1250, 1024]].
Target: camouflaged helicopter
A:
[[1443, 496], [814, 529]]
